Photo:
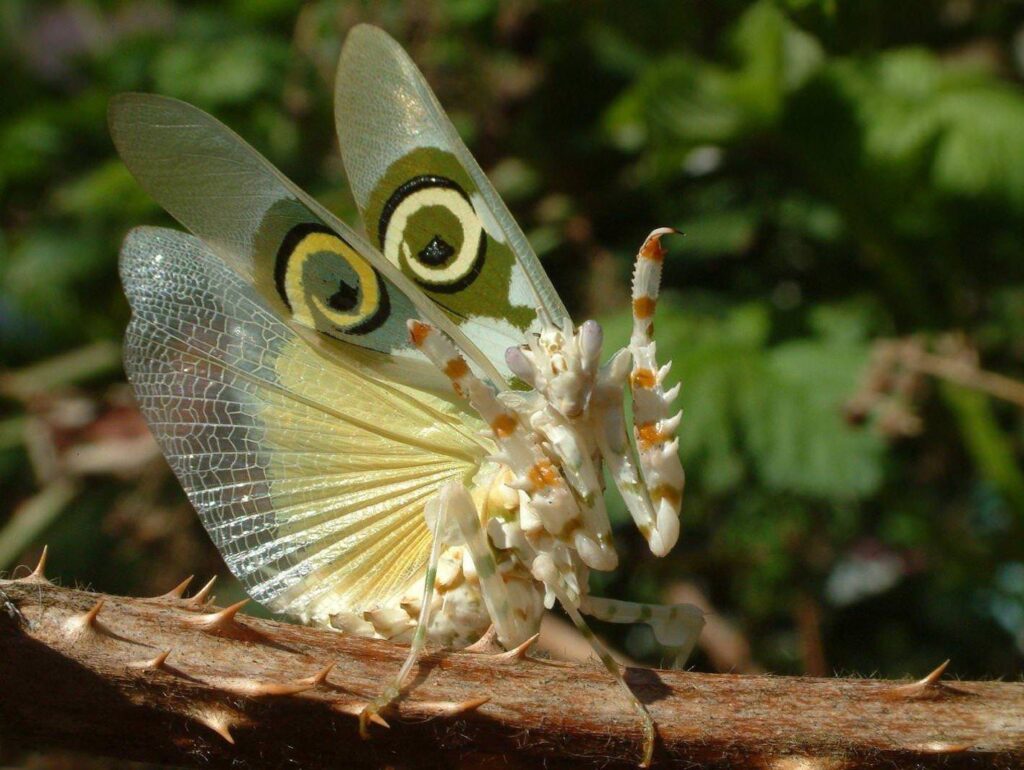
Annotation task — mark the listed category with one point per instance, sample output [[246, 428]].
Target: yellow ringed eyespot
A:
[[327, 285], [430, 230]]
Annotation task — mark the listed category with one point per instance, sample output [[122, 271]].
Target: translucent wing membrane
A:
[[427, 205], [310, 268], [309, 474]]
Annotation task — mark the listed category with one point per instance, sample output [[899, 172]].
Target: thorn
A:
[[517, 653], [216, 621], [85, 621], [926, 688], [320, 676], [453, 709], [89, 618], [38, 575], [155, 664], [553, 662], [935, 675], [219, 722], [485, 644], [178, 591], [253, 688], [369, 714], [199, 600], [469, 705]]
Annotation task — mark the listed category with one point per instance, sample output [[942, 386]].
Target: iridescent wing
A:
[[310, 473], [309, 268], [426, 204]]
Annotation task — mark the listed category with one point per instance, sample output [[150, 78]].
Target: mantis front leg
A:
[[653, 492]]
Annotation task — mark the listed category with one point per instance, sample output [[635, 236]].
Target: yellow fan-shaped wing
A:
[[309, 472]]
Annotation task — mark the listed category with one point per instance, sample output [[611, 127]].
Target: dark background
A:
[[845, 310]]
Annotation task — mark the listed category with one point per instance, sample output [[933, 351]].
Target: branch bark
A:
[[97, 684]]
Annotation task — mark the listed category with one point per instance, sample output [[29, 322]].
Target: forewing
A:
[[309, 267], [426, 204], [309, 475]]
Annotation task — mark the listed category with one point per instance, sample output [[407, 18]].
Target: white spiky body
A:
[[267, 354], [539, 501]]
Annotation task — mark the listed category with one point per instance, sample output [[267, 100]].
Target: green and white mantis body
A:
[[403, 435]]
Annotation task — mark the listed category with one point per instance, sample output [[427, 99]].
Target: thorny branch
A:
[[178, 681], [894, 379]]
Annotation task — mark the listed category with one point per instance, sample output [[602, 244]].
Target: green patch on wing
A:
[[425, 217]]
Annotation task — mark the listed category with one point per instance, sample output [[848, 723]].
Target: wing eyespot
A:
[[327, 285], [429, 229]]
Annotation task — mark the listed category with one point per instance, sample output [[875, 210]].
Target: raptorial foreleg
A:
[[653, 426], [653, 486], [613, 443]]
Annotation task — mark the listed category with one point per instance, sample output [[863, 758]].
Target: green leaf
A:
[[220, 73], [772, 413], [989, 447], [682, 102], [105, 190], [718, 233], [795, 428]]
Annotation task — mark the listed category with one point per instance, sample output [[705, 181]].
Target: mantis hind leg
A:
[[674, 625], [371, 712], [546, 572], [513, 622]]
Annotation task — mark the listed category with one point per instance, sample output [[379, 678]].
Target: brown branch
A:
[[89, 672], [892, 380], [970, 375]]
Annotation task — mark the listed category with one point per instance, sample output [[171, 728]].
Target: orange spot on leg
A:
[[652, 246], [648, 435], [643, 307], [418, 331], [642, 378], [456, 369], [652, 249], [503, 425], [543, 474]]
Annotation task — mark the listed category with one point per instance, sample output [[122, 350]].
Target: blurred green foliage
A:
[[842, 171]]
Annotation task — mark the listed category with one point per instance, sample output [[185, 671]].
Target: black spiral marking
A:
[[347, 297], [438, 250]]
